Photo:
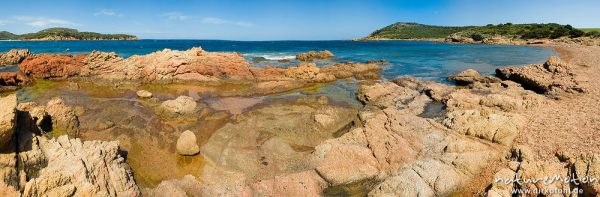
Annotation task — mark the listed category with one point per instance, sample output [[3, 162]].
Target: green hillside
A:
[[523, 31], [414, 31], [65, 33], [4, 35]]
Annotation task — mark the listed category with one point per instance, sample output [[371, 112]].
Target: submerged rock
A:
[[181, 106], [144, 94], [186, 144], [14, 56], [314, 55]]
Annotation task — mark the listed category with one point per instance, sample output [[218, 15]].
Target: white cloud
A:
[[107, 12], [4, 22], [175, 16], [43, 21], [220, 21]]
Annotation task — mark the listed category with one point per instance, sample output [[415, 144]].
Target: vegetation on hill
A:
[[4, 35], [592, 32], [414, 31], [523, 31], [64, 34]]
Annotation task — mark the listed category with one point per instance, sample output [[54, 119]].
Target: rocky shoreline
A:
[[499, 40], [410, 137]]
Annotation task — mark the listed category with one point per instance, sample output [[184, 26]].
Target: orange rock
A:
[[52, 66]]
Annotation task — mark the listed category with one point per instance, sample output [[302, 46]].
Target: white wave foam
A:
[[272, 56]]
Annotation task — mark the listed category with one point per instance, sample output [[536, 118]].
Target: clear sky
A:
[[281, 19]]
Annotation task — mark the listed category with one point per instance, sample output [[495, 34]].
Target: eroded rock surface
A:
[[14, 56], [75, 168], [470, 76], [12, 81], [34, 165], [186, 144], [564, 175], [193, 65], [64, 120], [8, 118], [51, 66], [266, 151], [552, 77], [314, 55]]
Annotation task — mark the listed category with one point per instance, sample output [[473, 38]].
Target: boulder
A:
[[470, 76], [314, 55], [346, 159], [497, 127], [76, 168], [64, 120], [466, 77], [144, 94], [14, 56], [33, 118], [459, 39], [302, 71], [587, 166], [12, 81], [50, 66], [8, 118], [181, 106], [187, 145], [552, 77]]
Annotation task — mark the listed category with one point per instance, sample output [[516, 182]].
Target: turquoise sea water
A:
[[426, 60]]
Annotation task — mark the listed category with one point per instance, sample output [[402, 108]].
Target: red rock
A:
[[12, 79], [48, 66]]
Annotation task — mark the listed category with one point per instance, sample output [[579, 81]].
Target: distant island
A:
[[58, 33], [478, 33]]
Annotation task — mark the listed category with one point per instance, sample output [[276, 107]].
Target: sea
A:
[[424, 60]]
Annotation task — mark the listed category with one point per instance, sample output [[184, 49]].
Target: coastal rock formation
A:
[[63, 117], [12, 81], [553, 77], [14, 56], [470, 76], [193, 65], [34, 165], [271, 157], [459, 39], [393, 145], [49, 66], [314, 55], [186, 144], [564, 174], [75, 168], [181, 106], [8, 118], [144, 94]]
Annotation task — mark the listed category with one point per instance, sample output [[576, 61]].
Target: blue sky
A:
[[281, 19]]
